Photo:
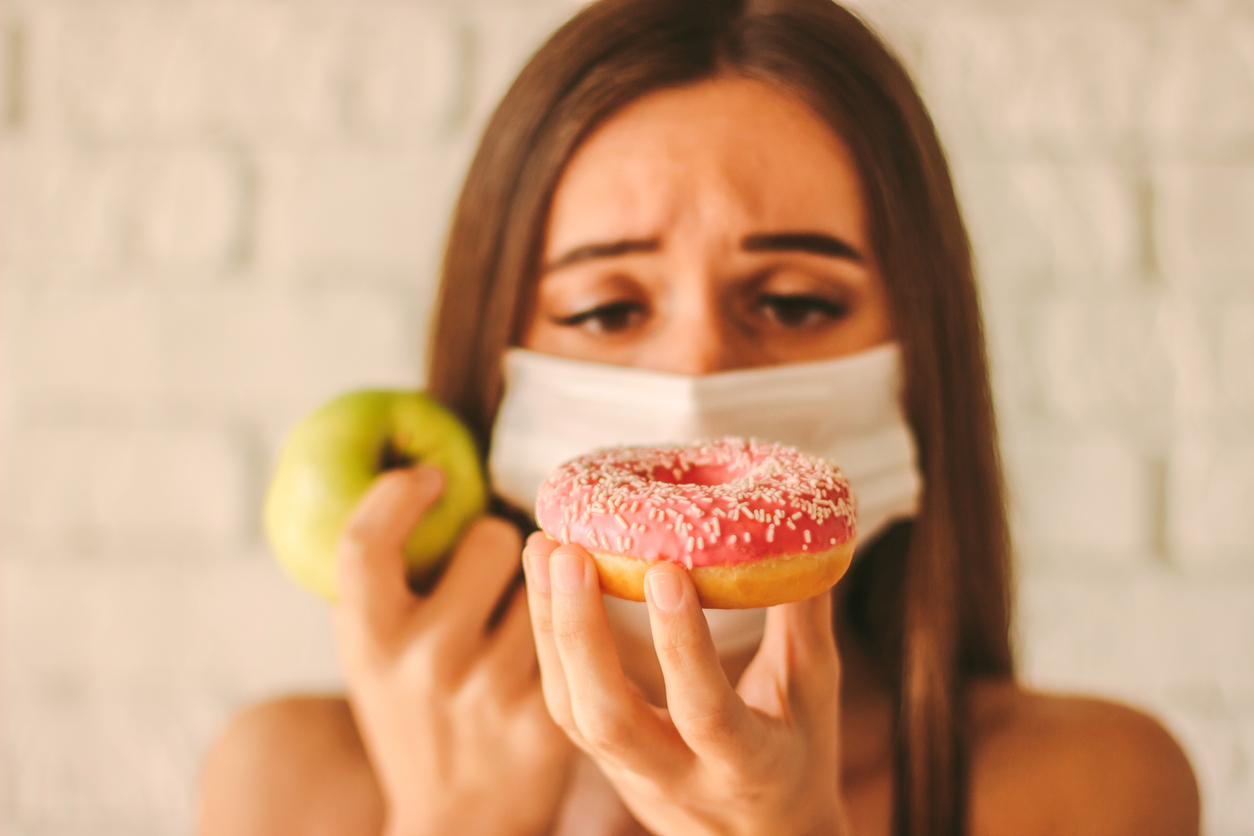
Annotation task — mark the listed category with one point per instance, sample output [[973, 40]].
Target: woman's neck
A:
[[866, 703]]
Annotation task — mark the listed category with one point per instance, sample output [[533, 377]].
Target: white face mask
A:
[[847, 410]]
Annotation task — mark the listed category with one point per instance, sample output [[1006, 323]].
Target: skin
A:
[[705, 228]]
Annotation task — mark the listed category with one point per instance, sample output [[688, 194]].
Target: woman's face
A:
[[711, 227]]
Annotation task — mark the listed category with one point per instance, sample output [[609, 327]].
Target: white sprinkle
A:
[[618, 541], [670, 527], [634, 506], [690, 542], [731, 539], [714, 525], [797, 516], [628, 544], [618, 518], [790, 524], [566, 536], [688, 561], [833, 541], [807, 534], [745, 536], [770, 534], [805, 548], [700, 542]]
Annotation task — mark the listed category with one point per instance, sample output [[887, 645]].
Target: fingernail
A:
[[538, 571], [429, 477], [567, 571], [665, 591]]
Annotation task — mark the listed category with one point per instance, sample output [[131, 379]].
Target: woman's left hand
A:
[[756, 759]]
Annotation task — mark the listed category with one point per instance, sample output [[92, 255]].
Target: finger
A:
[[370, 563], [615, 724], [709, 715], [485, 561], [540, 606], [539, 541], [511, 656], [796, 672]]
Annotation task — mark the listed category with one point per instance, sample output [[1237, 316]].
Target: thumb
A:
[[797, 668], [370, 564]]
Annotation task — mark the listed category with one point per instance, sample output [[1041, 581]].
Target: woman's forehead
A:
[[728, 155]]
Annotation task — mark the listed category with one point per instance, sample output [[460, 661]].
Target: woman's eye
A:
[[799, 311], [606, 319]]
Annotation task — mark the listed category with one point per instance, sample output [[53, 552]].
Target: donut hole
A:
[[700, 474]]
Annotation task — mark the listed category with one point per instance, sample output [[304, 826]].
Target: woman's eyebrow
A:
[[819, 243], [603, 249]]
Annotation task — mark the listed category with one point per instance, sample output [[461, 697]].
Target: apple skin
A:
[[330, 460]]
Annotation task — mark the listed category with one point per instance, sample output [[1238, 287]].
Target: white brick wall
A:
[[213, 215], [1068, 224], [1204, 213]]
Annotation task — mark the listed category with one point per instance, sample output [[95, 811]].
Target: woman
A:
[[695, 187]]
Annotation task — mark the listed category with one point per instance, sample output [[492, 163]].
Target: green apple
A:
[[331, 458]]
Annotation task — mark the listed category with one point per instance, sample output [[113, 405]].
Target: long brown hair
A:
[[936, 609]]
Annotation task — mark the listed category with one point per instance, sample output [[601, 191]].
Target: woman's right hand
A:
[[450, 709]]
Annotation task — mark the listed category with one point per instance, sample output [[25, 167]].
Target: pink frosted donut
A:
[[756, 523]]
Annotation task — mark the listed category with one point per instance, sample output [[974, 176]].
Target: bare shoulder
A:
[[1075, 765], [290, 765]]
